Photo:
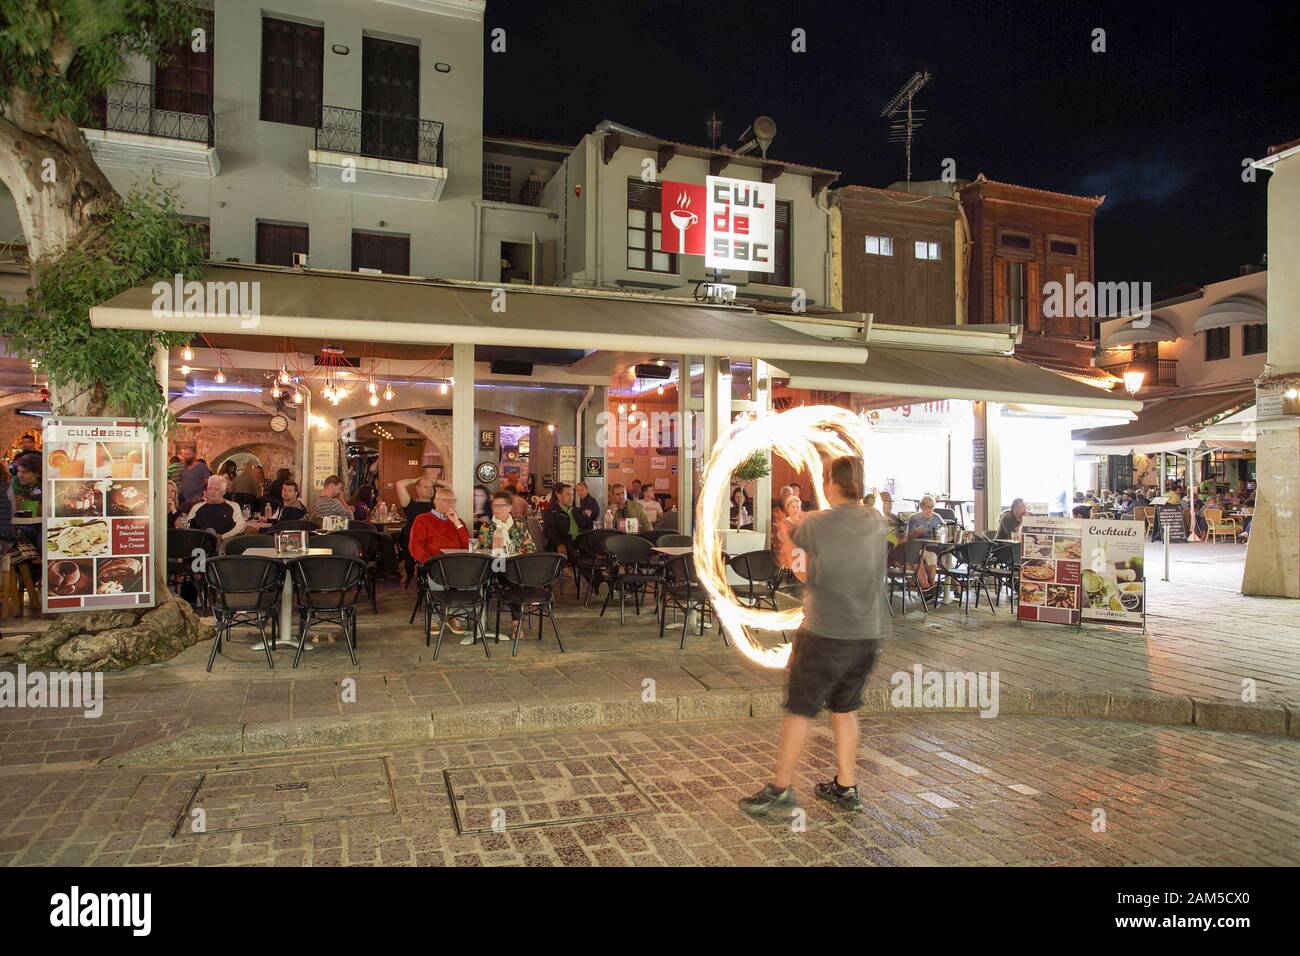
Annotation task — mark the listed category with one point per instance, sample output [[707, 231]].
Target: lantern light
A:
[[220, 377], [442, 389], [284, 375], [1133, 381], [389, 394], [187, 354]]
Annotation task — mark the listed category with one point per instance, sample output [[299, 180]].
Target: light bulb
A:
[[284, 376], [187, 354], [634, 406], [442, 389], [185, 370], [276, 391], [451, 380], [297, 398], [220, 377], [374, 400], [551, 429], [389, 394], [659, 362], [622, 408], [631, 370], [371, 387]]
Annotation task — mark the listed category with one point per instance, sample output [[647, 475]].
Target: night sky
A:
[[1160, 123]]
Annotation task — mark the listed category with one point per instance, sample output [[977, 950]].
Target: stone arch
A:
[[436, 429]]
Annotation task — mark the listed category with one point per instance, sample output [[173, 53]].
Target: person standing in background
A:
[[193, 476]]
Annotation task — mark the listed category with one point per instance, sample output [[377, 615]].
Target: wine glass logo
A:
[[683, 218]]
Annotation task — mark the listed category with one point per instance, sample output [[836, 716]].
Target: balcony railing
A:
[[1159, 371], [379, 135], [129, 107]]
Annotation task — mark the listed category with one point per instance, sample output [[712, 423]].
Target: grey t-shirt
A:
[[844, 591]]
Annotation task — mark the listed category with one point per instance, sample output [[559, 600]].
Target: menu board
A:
[[98, 514], [1051, 553], [1114, 574], [1077, 569], [1171, 517]]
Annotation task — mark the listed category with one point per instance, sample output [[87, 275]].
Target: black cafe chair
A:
[[654, 535], [591, 563], [241, 543], [634, 569], [969, 573], [902, 576], [529, 590], [371, 544], [340, 544], [675, 540], [682, 591], [762, 573], [245, 590], [327, 587], [355, 525], [188, 551], [1003, 567], [461, 593]]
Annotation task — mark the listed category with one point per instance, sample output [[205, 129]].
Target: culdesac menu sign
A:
[[731, 222]]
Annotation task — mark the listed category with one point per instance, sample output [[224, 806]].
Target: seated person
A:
[[505, 533], [330, 501], [621, 507], [928, 525], [1082, 511], [437, 530], [564, 521], [215, 513], [1009, 522], [291, 508], [654, 511]]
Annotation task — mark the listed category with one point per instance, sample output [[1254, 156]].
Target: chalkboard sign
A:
[[1171, 517]]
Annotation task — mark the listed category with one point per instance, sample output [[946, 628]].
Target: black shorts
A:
[[827, 673]]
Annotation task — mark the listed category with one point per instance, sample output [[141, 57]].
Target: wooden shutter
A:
[[782, 254], [292, 72], [1000, 291], [388, 254], [277, 243], [1033, 298], [183, 78], [390, 99]]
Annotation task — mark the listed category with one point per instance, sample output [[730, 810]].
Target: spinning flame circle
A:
[[803, 437]]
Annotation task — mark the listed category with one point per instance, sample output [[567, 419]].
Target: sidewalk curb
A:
[[402, 727]]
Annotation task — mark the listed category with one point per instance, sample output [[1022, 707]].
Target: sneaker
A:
[[770, 802], [845, 797], [456, 626], [467, 640]]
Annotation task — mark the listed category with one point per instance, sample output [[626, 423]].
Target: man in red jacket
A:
[[437, 530]]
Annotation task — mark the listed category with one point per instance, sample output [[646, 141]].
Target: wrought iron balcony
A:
[[379, 136], [129, 107], [1160, 372]]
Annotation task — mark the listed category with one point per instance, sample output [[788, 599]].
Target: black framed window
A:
[[1218, 344], [277, 243], [1254, 339], [382, 251], [645, 229], [293, 57], [782, 255]]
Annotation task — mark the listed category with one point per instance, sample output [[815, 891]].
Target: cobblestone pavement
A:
[[1202, 642], [946, 790]]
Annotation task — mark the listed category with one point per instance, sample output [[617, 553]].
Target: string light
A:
[[185, 370], [276, 390], [297, 397], [371, 387], [187, 354], [389, 394], [284, 375], [442, 389], [621, 408], [374, 400], [551, 429], [220, 377]]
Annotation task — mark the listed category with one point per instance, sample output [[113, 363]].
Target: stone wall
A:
[[215, 443]]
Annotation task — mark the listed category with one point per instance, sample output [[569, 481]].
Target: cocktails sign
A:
[[98, 514], [731, 222]]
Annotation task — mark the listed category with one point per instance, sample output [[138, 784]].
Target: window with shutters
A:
[[1218, 344], [183, 76], [783, 272], [1015, 301], [292, 72], [277, 242], [381, 251], [645, 228], [1254, 339]]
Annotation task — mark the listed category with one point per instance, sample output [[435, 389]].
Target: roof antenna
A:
[[714, 127], [904, 120]]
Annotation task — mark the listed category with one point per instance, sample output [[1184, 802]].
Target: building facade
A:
[[349, 130]]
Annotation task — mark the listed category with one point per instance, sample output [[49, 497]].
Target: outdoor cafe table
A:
[[286, 592]]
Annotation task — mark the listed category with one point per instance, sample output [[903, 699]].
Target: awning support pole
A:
[[462, 428]]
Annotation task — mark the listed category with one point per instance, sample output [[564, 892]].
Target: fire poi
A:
[[803, 437]]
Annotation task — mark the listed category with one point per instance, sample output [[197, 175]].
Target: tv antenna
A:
[[904, 118], [714, 126]]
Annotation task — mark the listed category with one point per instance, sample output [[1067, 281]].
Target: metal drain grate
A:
[[542, 793], [253, 797]]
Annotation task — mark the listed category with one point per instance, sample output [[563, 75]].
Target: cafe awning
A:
[[1234, 310], [1137, 332], [1236, 432], [933, 374], [1163, 425], [341, 305]]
